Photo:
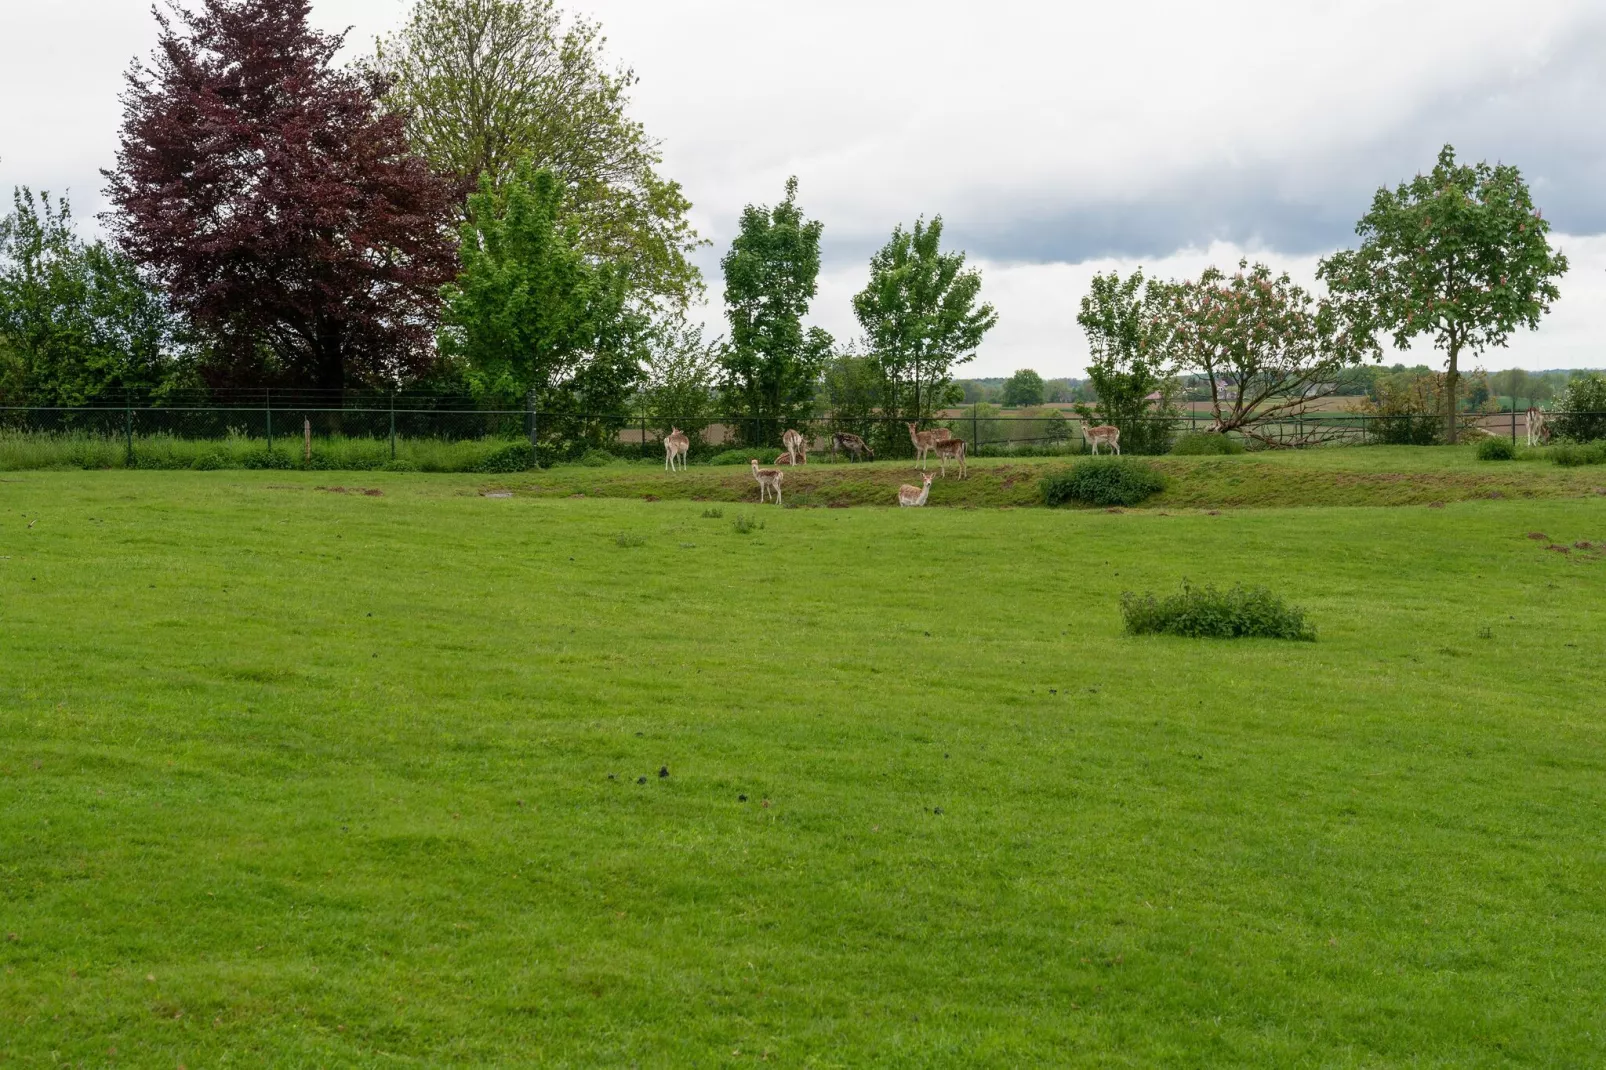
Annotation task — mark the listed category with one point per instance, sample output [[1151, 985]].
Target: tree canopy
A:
[[1460, 255], [1025, 387], [485, 84], [284, 214], [1129, 336]]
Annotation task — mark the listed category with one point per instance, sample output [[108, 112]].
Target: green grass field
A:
[[297, 777]]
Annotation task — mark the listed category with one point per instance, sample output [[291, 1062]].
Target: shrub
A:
[[1583, 409], [1102, 481], [715, 513], [517, 457], [1497, 449], [267, 460], [629, 539], [1571, 455], [595, 458], [401, 465], [1207, 444], [746, 525], [209, 461], [764, 455], [1238, 613]]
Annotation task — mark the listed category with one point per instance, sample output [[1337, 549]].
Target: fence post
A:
[[270, 419], [529, 402], [1513, 421]]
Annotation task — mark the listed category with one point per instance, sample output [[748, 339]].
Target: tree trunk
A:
[[1451, 381]]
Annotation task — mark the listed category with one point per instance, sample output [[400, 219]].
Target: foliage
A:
[[771, 363], [1207, 444], [1023, 388], [1206, 613], [746, 525], [78, 324], [1497, 449], [514, 457], [1102, 481], [1404, 407], [1582, 415], [714, 513], [681, 375], [486, 84], [921, 318], [1460, 255], [532, 315], [1265, 349], [850, 391], [43, 451], [989, 426], [763, 454], [1578, 454], [284, 216], [1129, 337]]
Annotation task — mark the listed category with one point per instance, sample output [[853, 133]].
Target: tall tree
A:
[[1025, 387], [771, 363], [1266, 349], [484, 84], [921, 318], [78, 325], [1129, 335], [1460, 255], [284, 214], [532, 316], [681, 375]]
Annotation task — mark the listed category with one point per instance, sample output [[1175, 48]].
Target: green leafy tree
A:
[[1460, 255], [850, 390], [681, 378], [1025, 387], [1582, 409], [533, 316], [1129, 333], [922, 316], [771, 363], [485, 84], [78, 324]]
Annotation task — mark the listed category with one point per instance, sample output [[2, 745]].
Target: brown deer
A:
[[850, 444], [676, 444], [1105, 435], [925, 441], [914, 497], [785, 458], [768, 479], [795, 446], [951, 449]]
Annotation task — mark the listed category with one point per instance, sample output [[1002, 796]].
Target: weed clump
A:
[[746, 525], [629, 539], [1497, 449], [1207, 444], [1102, 481], [763, 455], [1206, 613], [1574, 455], [516, 457], [715, 513]]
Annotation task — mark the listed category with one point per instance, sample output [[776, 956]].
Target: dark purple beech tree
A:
[[281, 208]]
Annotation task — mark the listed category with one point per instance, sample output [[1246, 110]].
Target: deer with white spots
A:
[[914, 497], [1102, 435], [768, 479], [676, 444]]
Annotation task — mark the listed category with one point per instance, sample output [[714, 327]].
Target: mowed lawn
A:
[[298, 777]]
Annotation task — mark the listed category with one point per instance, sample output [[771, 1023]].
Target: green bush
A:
[[764, 455], [1207, 444], [595, 458], [1497, 449], [1571, 455], [515, 457], [746, 525], [401, 465], [1102, 481], [210, 461], [1583, 409], [1238, 613]]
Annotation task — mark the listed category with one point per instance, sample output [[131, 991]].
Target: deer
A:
[[914, 497], [925, 441], [850, 444], [1534, 422], [676, 444], [768, 479], [1104, 434], [795, 446], [785, 458], [950, 449]]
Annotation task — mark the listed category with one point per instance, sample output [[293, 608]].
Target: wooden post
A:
[[306, 434]]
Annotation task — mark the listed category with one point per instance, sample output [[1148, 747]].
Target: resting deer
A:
[[795, 446], [785, 458], [676, 444], [1104, 434], [924, 442], [915, 496], [768, 479], [1534, 422], [949, 450], [850, 444]]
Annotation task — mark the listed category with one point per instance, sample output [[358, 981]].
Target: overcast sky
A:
[[1055, 138]]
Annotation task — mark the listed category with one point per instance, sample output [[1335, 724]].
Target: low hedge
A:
[[1207, 444], [1102, 481], [1206, 613]]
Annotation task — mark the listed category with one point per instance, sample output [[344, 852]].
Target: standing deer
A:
[[850, 444], [795, 446], [1534, 422], [925, 441], [676, 444], [1104, 434], [768, 479], [915, 497], [950, 449]]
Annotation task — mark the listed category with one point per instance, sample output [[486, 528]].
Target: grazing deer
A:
[[850, 444], [768, 479], [951, 449], [795, 446], [1534, 423], [676, 444], [924, 442], [915, 497], [1104, 434]]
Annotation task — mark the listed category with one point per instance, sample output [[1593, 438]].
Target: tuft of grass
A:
[[1578, 454], [713, 513], [1497, 449], [746, 525], [629, 539], [1205, 613], [1102, 481], [1207, 444]]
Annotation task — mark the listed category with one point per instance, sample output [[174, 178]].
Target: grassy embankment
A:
[[295, 777]]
